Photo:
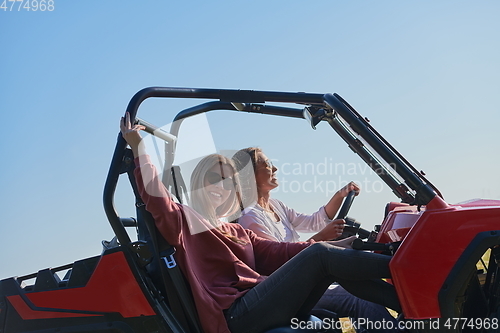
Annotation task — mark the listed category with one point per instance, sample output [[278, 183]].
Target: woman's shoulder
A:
[[249, 217]]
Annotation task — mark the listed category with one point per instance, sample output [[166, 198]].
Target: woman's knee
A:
[[324, 248], [319, 247]]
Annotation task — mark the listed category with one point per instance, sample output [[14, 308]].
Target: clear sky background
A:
[[425, 72]]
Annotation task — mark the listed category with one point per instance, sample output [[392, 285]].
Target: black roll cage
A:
[[328, 107]]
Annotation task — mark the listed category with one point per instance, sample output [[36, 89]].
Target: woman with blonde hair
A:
[[236, 277], [203, 200], [215, 194]]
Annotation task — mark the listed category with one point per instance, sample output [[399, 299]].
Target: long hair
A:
[[245, 161], [199, 196]]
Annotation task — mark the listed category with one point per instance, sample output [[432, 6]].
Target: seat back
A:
[[162, 269], [168, 277]]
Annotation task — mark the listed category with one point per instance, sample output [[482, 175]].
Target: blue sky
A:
[[425, 72]]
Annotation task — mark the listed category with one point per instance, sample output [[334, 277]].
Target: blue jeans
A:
[[294, 289]]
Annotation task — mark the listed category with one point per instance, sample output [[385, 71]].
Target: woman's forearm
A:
[[332, 207]]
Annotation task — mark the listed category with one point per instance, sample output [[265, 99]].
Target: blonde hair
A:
[[199, 196]]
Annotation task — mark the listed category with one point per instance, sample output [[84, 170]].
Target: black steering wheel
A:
[[346, 205]]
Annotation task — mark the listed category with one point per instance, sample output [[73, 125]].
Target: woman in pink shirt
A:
[[241, 282]]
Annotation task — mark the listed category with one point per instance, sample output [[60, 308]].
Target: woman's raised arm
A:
[[131, 135], [166, 213]]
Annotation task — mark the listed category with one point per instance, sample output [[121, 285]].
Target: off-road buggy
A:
[[136, 286]]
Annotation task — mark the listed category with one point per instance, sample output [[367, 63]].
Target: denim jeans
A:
[[294, 289]]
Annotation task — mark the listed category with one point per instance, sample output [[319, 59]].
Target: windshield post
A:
[[424, 192]]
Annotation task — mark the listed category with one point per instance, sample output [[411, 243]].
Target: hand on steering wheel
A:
[[349, 192], [346, 205]]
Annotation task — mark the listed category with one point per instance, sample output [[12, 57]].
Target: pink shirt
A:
[[218, 269]]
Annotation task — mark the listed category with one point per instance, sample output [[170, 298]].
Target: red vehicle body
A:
[[471, 227], [136, 286]]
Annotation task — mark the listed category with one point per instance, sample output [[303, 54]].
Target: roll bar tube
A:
[[399, 190], [425, 193], [248, 101]]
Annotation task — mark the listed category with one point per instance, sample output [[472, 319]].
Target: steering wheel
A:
[[346, 205]]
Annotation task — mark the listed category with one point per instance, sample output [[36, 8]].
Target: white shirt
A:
[[264, 224]]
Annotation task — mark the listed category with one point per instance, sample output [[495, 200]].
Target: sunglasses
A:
[[214, 178]]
